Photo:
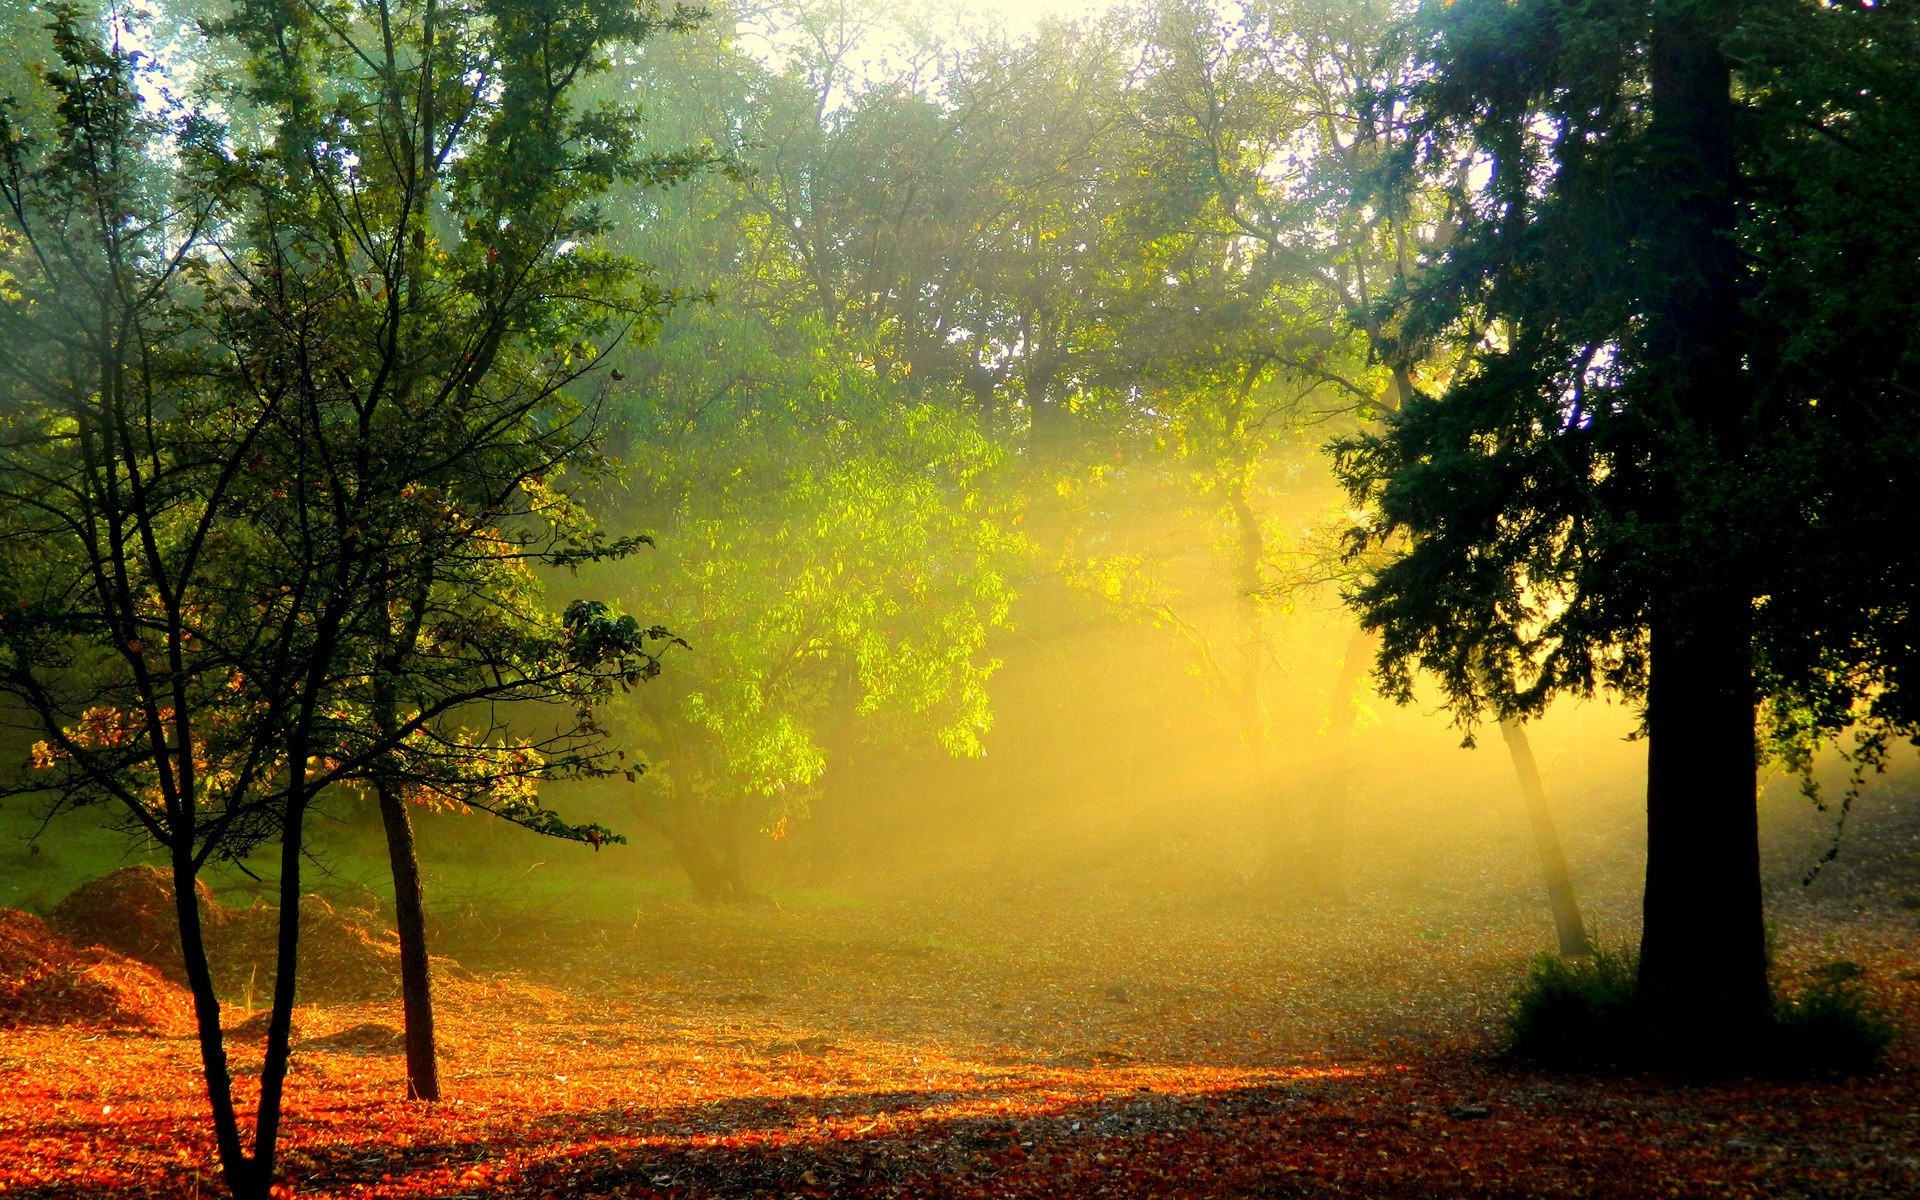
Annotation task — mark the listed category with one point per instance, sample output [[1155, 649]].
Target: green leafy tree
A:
[[1280, 126], [834, 542], [286, 403], [943, 201], [384, 268], [832, 551]]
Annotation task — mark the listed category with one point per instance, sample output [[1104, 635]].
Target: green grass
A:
[[38, 867], [817, 898], [464, 865]]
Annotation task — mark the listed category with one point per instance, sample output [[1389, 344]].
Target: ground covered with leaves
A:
[[961, 1045]]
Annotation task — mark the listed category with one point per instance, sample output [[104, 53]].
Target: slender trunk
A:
[[841, 740], [1047, 412], [1331, 805], [1703, 963], [724, 833], [983, 385], [1402, 386], [403, 858], [1280, 823], [234, 1165], [1324, 869], [410, 920], [1567, 923], [273, 1071], [706, 852]]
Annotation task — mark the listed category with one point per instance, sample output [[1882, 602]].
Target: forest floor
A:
[[958, 1045]]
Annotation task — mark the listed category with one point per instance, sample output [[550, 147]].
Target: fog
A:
[[848, 598], [1118, 770]]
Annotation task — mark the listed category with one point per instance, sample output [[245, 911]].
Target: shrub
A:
[[1581, 1013], [1831, 1026], [1575, 1012]]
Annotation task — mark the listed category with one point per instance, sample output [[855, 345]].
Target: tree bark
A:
[[206, 1011], [1567, 922], [273, 1069], [1047, 412], [416, 971], [1703, 967], [708, 851], [1703, 961], [832, 815], [1276, 809]]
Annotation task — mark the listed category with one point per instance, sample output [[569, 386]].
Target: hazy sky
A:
[[1027, 12]]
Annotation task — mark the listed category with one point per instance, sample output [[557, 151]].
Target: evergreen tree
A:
[[1674, 458]]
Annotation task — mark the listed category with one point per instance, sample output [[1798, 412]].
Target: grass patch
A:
[[816, 898]]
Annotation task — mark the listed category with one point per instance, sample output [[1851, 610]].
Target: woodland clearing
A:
[[1124, 1045]]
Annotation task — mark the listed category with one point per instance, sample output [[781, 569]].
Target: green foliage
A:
[[947, 267], [1670, 460], [335, 564], [833, 547], [291, 376], [1568, 471], [833, 530]]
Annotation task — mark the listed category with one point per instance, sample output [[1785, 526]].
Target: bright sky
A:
[[1019, 17], [1024, 14]]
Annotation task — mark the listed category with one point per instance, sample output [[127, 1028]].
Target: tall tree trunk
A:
[[1703, 968], [1567, 923], [1046, 408], [984, 387], [403, 861], [706, 848], [254, 1179], [831, 818], [1281, 823], [1703, 964], [1331, 804], [410, 921]]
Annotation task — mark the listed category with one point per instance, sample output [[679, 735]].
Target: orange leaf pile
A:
[[47, 980]]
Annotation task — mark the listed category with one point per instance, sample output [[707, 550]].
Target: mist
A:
[[846, 598]]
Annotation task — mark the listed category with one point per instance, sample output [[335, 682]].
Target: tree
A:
[[834, 543], [1249, 314], [833, 554], [1569, 928], [1652, 472], [472, 505], [943, 201], [277, 387]]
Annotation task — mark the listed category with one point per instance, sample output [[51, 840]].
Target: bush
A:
[[1576, 1012], [1831, 1025], [1581, 1013]]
